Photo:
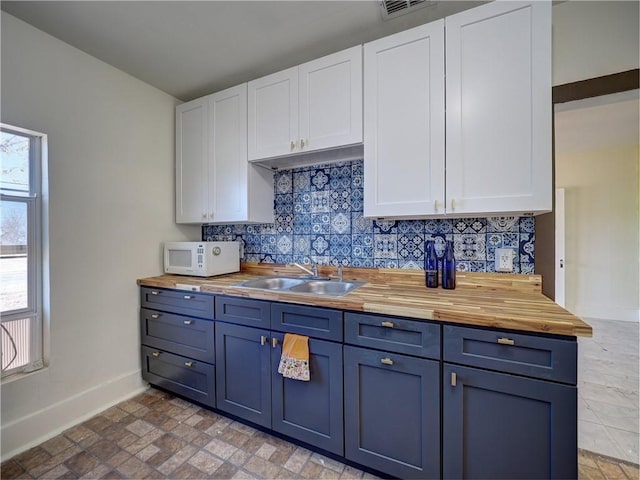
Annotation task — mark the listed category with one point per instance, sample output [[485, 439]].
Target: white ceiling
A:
[[193, 48]]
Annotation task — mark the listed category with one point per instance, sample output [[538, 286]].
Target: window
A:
[[21, 156]]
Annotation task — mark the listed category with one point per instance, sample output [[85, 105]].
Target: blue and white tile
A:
[[253, 257], [385, 263], [527, 224], [357, 174], [302, 202], [320, 201], [470, 225], [320, 179], [469, 247], [438, 225], [301, 181], [385, 226], [340, 177], [301, 245], [411, 247], [268, 244], [525, 268], [284, 259], [439, 241], [340, 223], [407, 264], [411, 226], [267, 258], [340, 200], [320, 223], [302, 223], [360, 224], [362, 245], [283, 181], [527, 247], [253, 244], [284, 244], [320, 259], [385, 246], [283, 203], [357, 199], [340, 245], [319, 245], [344, 261], [467, 266], [362, 262], [284, 223], [268, 229], [502, 224]]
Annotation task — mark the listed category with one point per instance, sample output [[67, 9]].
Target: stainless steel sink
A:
[[334, 289], [302, 285], [272, 283]]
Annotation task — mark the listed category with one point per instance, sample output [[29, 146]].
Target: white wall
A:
[[597, 164], [111, 171], [594, 38]]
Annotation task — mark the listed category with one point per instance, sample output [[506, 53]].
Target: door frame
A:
[[545, 255]]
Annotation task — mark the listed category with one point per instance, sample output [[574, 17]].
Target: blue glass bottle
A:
[[448, 267], [430, 265]]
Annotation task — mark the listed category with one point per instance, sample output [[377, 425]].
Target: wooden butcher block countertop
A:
[[495, 300]]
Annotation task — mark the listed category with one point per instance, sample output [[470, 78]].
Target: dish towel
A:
[[294, 362]]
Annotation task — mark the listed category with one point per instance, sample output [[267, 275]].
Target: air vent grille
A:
[[394, 8]]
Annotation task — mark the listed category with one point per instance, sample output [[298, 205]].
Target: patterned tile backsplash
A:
[[318, 218]]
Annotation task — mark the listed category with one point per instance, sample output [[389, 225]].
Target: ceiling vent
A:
[[395, 8]]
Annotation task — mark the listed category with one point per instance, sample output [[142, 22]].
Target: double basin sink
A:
[[312, 285]]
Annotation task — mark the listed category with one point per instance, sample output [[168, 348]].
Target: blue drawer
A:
[[393, 334], [177, 301], [184, 376], [315, 322], [533, 356], [243, 311], [187, 336]]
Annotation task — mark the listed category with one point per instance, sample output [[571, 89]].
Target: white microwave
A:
[[201, 259]]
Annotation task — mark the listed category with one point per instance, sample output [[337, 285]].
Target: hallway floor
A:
[[608, 399], [155, 435]]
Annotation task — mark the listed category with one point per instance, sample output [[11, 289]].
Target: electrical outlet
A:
[[504, 259]]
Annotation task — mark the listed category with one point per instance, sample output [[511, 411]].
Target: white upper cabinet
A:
[[227, 189], [192, 167], [315, 106], [496, 158], [404, 123], [499, 109]]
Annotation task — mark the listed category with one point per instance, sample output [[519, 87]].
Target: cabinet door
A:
[[192, 161], [228, 175], [499, 108], [310, 411], [392, 412], [243, 377], [404, 123], [331, 100], [501, 426], [273, 115]]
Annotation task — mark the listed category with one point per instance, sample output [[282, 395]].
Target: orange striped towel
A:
[[294, 362]]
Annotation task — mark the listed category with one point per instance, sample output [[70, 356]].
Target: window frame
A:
[[33, 199]]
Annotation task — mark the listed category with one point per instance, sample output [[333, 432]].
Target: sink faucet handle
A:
[[340, 272], [314, 267]]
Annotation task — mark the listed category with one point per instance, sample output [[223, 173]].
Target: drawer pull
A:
[[506, 341], [187, 322], [274, 342], [155, 315], [454, 379], [386, 361], [263, 340], [387, 324], [155, 292], [189, 297], [156, 354], [189, 364]]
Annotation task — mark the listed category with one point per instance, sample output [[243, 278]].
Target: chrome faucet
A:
[[340, 273], [313, 273]]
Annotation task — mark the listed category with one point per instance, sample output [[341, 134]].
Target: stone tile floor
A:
[[156, 435]]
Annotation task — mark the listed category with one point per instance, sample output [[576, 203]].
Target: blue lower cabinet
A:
[[392, 412], [187, 377], [243, 372], [501, 426], [310, 411]]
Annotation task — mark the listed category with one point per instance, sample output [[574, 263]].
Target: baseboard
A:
[[35, 428], [607, 313]]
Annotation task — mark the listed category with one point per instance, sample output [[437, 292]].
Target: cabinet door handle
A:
[[189, 364], [155, 292], [453, 204], [204, 215], [187, 322], [155, 315], [188, 297], [387, 324], [436, 205], [293, 145], [301, 143], [156, 354], [263, 340], [274, 342], [386, 361], [506, 341], [454, 379]]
